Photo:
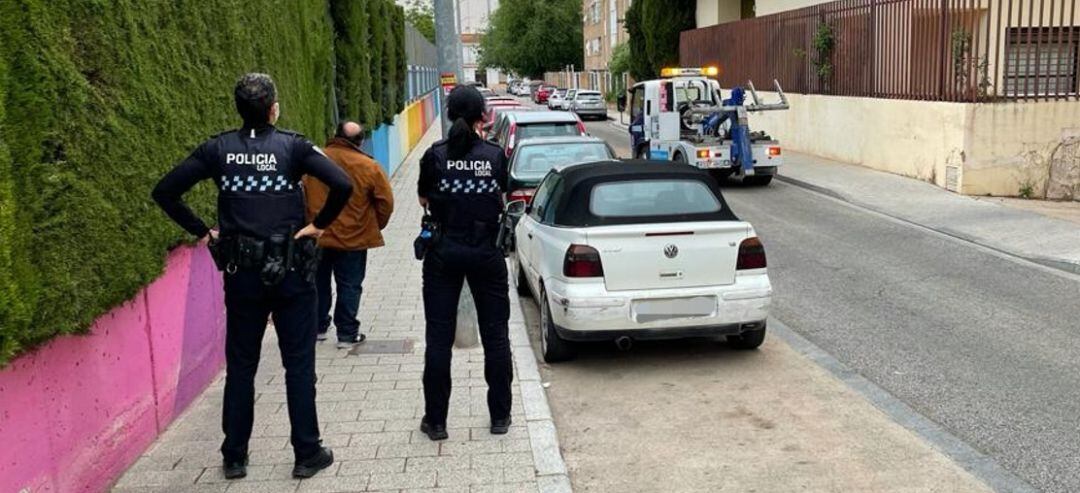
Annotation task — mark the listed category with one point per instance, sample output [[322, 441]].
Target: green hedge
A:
[[99, 98], [371, 60]]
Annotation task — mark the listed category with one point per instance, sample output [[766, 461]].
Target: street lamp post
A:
[[448, 44]]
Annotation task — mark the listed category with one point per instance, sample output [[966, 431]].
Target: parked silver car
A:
[[588, 104]]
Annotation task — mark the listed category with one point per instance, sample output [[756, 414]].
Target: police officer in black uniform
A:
[[461, 182], [267, 254]]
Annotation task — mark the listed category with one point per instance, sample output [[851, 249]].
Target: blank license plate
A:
[[653, 310]]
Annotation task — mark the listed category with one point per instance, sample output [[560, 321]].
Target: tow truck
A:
[[682, 117]]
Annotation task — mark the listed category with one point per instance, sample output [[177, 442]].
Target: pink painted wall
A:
[[75, 413]]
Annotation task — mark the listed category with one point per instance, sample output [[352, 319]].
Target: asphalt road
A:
[[983, 345]]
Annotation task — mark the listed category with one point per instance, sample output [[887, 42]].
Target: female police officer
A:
[[461, 182]]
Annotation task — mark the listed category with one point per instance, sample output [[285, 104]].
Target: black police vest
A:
[[468, 189], [260, 192]]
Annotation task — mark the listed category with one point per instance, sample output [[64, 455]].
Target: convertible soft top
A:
[[578, 181]]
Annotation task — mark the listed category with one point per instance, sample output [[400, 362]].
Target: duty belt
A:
[[273, 257]]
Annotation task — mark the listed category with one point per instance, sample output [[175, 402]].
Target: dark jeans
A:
[[446, 267], [248, 305], [348, 269]]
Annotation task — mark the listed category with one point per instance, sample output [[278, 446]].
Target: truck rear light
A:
[[582, 261], [774, 151], [703, 154], [751, 254], [525, 194]]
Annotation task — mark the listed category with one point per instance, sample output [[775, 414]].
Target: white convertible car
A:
[[638, 250]]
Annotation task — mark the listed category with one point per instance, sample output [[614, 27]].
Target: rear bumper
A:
[[591, 111], [587, 311], [657, 334]]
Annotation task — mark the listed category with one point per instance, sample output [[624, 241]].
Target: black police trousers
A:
[[248, 305], [446, 266]]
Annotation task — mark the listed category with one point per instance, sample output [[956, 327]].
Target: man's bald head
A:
[[351, 131]]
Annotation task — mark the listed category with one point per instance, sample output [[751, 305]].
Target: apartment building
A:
[[602, 30], [981, 97], [473, 18]]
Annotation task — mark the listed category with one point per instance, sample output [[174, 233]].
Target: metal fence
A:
[[943, 50], [423, 74]]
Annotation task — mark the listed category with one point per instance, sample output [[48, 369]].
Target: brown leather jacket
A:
[[360, 224]]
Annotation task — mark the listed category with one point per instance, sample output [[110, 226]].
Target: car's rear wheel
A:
[[750, 339], [553, 347]]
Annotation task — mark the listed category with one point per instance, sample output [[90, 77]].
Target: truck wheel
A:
[[758, 180], [680, 158], [750, 339], [554, 348]]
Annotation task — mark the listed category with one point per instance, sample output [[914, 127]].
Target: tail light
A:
[[525, 194], [510, 139], [581, 127], [582, 261], [774, 151], [703, 153], [751, 254]]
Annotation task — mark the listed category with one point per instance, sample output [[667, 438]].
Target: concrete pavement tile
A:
[[501, 460], [462, 477], [471, 448], [443, 462], [519, 474], [355, 467], [453, 489], [356, 452], [159, 478], [350, 427], [174, 488], [408, 450], [545, 448], [387, 481], [504, 488], [334, 484]]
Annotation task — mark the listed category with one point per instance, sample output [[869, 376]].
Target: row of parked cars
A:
[[620, 250]]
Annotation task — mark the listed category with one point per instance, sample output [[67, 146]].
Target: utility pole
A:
[[448, 44]]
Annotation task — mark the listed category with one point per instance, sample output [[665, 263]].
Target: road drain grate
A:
[[384, 346]]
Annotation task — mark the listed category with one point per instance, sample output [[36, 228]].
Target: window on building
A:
[[613, 23], [1041, 60]]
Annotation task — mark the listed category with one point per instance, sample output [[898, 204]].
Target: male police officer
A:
[[267, 259], [461, 180]]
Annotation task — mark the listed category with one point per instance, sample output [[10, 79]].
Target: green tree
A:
[[655, 42], [529, 38], [421, 15]]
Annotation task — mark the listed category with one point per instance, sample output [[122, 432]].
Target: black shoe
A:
[[500, 426], [235, 469], [312, 465], [434, 432]]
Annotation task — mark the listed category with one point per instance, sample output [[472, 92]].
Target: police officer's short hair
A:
[[255, 95]]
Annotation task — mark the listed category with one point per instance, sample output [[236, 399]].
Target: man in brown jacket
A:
[[359, 227]]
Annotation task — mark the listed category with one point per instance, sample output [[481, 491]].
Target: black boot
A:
[[434, 432], [500, 426], [235, 469], [309, 467]]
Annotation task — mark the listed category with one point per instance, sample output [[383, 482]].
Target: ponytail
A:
[[460, 138]]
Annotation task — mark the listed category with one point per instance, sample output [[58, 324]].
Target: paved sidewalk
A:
[[1037, 237], [370, 404]]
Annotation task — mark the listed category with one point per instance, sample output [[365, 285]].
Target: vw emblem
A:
[[671, 251]]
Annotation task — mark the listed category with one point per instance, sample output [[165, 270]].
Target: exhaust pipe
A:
[[624, 343]]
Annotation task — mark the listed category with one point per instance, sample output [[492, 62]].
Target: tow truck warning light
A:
[[687, 71]]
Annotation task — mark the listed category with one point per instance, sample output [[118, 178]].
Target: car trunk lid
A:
[[668, 255]]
